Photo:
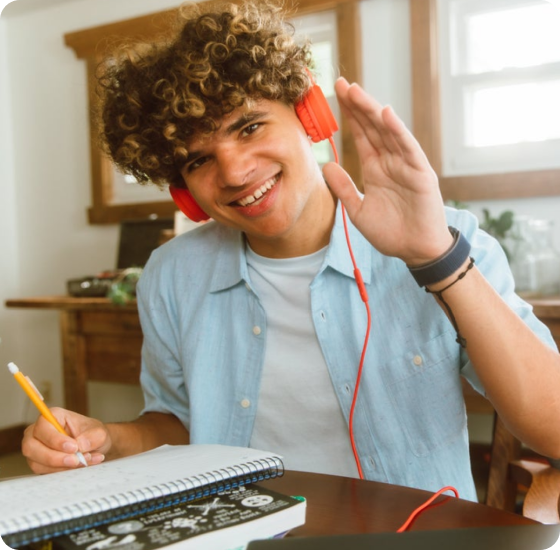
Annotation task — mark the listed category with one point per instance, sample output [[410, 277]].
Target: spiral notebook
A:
[[40, 507]]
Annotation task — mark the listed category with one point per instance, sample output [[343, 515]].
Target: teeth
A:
[[269, 184]]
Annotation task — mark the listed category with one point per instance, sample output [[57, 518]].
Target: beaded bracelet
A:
[[439, 293], [441, 268]]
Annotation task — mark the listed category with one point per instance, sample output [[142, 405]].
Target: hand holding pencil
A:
[[33, 394]]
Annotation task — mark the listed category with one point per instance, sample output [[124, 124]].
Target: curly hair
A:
[[155, 97]]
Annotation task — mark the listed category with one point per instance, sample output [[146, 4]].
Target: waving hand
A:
[[401, 211]]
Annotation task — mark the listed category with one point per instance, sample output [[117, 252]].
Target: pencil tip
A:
[[81, 458]]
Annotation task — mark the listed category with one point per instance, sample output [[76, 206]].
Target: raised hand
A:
[[401, 211]]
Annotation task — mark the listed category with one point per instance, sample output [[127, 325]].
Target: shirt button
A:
[[245, 403], [417, 360], [247, 286], [256, 330]]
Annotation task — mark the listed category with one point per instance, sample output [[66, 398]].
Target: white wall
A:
[[45, 238], [10, 333], [44, 172]]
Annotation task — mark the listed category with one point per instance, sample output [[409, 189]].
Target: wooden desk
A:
[[101, 341], [344, 506]]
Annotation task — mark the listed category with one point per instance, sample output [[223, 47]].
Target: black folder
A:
[[514, 537]]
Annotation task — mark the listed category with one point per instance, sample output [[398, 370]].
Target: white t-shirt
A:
[[298, 415]]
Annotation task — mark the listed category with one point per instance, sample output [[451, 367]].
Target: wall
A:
[[9, 239], [45, 238], [44, 172]]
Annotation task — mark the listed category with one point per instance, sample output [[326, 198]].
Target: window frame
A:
[[426, 115], [92, 44]]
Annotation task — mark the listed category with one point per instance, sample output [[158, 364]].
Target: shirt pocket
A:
[[426, 395]]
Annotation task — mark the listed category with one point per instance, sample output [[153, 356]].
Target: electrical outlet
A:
[[45, 389]]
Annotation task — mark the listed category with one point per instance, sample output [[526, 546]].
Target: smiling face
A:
[[257, 173]]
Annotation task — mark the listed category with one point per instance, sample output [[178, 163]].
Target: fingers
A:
[[367, 144], [404, 138], [376, 129], [364, 113], [47, 450]]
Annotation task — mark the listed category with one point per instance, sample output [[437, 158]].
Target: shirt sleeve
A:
[[162, 377], [492, 262]]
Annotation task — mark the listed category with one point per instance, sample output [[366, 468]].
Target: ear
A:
[[187, 205]]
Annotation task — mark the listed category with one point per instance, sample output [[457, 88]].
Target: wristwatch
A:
[[444, 266]]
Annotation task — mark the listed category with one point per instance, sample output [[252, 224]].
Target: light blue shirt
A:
[[205, 335]]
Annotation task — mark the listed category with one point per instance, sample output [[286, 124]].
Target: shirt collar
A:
[[230, 266], [338, 256], [231, 261]]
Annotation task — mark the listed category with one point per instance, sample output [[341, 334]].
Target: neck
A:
[[311, 235]]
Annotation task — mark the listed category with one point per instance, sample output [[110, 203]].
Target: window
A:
[[500, 84], [486, 77]]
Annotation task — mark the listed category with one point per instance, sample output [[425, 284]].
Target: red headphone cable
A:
[[365, 299], [422, 507]]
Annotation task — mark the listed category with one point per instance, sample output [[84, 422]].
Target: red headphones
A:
[[318, 121]]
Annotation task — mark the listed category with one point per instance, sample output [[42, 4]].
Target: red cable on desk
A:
[[422, 507]]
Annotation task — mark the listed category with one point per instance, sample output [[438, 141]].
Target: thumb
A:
[[343, 187]]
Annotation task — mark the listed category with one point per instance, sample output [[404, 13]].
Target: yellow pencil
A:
[[33, 394]]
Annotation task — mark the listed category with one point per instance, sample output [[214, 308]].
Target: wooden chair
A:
[[513, 475]]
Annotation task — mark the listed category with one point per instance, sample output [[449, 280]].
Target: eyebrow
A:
[[245, 118], [235, 126]]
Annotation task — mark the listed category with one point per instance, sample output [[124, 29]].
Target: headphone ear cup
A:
[[187, 205], [316, 116]]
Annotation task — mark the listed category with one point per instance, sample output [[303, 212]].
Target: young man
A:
[[253, 324]]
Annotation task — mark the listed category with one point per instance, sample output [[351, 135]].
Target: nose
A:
[[235, 165]]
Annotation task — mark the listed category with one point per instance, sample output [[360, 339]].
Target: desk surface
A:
[[343, 506]]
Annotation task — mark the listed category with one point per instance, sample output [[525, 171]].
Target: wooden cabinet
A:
[[100, 342]]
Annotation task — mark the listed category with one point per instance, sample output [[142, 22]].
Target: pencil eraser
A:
[[13, 368]]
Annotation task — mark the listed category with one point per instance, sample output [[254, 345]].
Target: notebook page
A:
[[24, 497]]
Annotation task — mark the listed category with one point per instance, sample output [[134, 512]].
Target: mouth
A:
[[259, 193]]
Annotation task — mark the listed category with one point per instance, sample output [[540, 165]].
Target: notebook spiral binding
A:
[[85, 515]]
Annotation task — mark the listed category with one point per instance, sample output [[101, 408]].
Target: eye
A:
[[251, 128], [196, 163]]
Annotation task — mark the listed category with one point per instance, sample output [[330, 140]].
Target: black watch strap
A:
[[444, 266]]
